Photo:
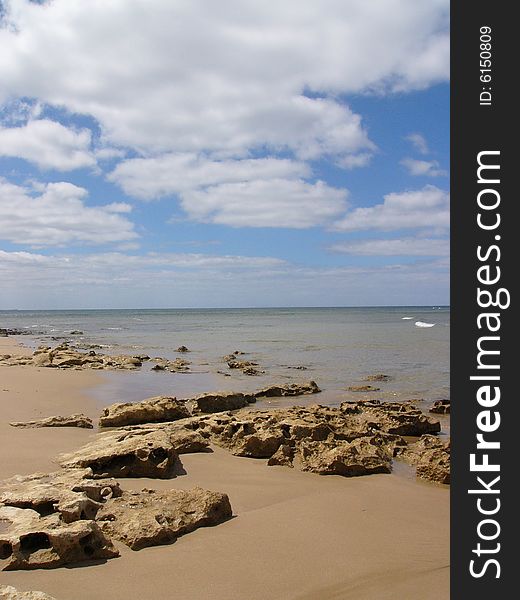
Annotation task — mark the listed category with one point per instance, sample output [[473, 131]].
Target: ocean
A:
[[337, 347]]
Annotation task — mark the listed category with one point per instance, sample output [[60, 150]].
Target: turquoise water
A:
[[338, 346]]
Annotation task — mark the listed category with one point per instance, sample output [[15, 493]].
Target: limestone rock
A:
[[70, 493], [363, 388], [8, 592], [134, 453], [211, 402], [152, 410], [182, 349], [284, 456], [152, 518], [377, 377], [431, 456], [289, 389], [359, 457], [441, 407], [33, 542], [81, 421]]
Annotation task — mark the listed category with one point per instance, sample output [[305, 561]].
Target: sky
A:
[[192, 153]]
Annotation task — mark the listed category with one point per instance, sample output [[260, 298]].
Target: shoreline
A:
[[294, 536]]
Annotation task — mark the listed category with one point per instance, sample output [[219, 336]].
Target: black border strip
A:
[[477, 126]]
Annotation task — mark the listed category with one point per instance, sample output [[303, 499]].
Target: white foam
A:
[[406, 318], [423, 324]]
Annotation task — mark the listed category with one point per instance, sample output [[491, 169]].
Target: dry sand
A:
[[296, 536]]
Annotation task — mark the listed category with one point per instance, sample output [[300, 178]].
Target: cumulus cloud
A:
[[427, 207], [223, 77], [419, 142], [57, 214], [424, 168], [394, 247], [150, 178], [48, 144], [266, 203]]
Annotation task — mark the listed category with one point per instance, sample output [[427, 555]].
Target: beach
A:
[[293, 535]]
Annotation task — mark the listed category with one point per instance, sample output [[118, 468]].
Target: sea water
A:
[[337, 347]]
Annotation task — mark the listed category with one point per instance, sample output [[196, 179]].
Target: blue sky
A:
[[168, 154]]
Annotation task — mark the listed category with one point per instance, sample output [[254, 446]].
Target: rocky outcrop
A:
[[134, 453], [400, 418], [81, 421], [350, 459], [179, 365], [440, 407], [283, 457], [8, 592], [182, 349], [289, 389], [431, 457], [153, 410], [363, 388], [152, 518], [30, 541], [377, 377], [71, 494], [211, 402], [65, 356]]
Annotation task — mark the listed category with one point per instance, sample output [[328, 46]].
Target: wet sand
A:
[[295, 535]]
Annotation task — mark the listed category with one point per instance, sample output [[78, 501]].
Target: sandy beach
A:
[[293, 536]]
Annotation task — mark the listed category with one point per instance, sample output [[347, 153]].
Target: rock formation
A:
[[441, 407], [152, 518], [58, 421], [289, 389], [8, 592], [152, 410]]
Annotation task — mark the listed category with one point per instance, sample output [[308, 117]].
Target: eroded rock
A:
[[350, 459], [441, 407], [211, 402], [289, 389], [71, 494], [152, 518], [80, 420], [152, 410], [134, 453], [8, 592], [30, 541]]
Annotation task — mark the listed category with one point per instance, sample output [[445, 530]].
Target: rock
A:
[[260, 444], [241, 364], [289, 389], [251, 371], [298, 367], [70, 493], [378, 377], [284, 456], [349, 459], [440, 407], [363, 388], [8, 592], [76, 332], [134, 453], [81, 421], [33, 542], [179, 365], [182, 349], [211, 402], [152, 518], [431, 456], [152, 410], [400, 418]]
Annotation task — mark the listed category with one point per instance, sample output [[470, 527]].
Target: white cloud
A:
[[427, 207], [48, 144], [149, 178], [419, 142], [425, 168], [116, 280], [57, 215], [223, 76], [266, 203], [394, 247]]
